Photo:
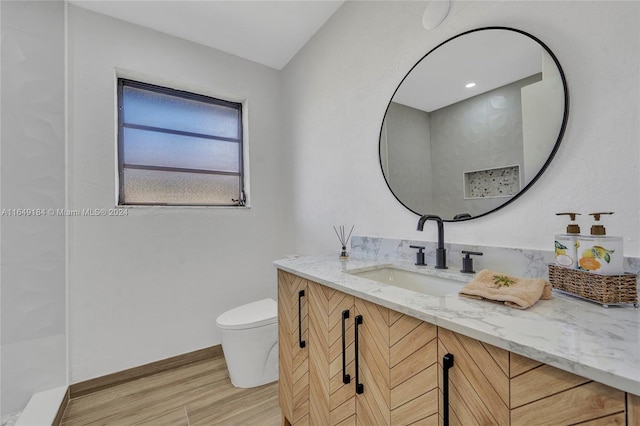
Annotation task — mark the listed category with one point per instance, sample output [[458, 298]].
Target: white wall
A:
[[32, 258], [150, 285], [338, 86]]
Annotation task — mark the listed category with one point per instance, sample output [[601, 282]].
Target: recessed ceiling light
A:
[[470, 85]]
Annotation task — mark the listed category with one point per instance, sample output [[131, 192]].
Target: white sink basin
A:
[[415, 281]]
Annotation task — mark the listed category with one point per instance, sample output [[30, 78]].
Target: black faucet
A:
[[441, 252]]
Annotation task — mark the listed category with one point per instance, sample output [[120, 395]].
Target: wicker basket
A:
[[603, 289]]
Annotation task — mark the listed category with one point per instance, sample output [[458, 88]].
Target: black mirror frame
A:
[[553, 151]]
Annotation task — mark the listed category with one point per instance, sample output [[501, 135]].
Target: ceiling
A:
[[271, 32], [267, 32], [491, 59]]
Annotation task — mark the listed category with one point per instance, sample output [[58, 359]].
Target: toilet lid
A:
[[251, 315]]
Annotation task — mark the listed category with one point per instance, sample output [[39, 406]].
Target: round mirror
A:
[[474, 124]]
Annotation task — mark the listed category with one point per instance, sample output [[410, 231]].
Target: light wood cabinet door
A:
[[543, 395], [491, 386], [293, 347], [633, 409], [478, 381], [397, 368], [331, 400]]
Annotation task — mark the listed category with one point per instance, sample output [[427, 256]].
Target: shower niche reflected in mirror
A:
[[474, 123]]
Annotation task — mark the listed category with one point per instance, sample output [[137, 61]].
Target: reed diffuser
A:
[[344, 239]]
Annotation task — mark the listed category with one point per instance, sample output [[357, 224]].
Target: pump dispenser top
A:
[[596, 228], [572, 228]]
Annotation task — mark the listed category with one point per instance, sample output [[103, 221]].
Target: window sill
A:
[[174, 207]]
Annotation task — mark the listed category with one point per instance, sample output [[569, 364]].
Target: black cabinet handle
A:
[[359, 386], [447, 363], [300, 296], [345, 377]]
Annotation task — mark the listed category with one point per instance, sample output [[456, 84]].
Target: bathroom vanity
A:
[[354, 350]]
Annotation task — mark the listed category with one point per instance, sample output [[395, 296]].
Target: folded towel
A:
[[516, 292]]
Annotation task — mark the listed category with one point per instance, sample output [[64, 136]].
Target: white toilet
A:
[[249, 335]]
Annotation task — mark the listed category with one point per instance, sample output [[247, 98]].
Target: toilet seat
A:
[[252, 315]]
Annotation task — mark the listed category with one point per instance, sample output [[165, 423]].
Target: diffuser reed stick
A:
[[344, 239]]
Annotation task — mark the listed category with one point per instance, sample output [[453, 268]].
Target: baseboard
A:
[[103, 382]]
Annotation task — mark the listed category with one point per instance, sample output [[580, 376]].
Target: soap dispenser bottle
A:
[[598, 252], [566, 250]]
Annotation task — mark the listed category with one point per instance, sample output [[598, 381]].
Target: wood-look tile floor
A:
[[197, 394]]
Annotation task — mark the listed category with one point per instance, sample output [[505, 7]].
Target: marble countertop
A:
[[602, 344]]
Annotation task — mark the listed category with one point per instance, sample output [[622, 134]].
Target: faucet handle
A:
[[467, 261], [419, 255]]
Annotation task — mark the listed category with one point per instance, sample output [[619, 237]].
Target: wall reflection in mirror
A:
[[473, 124]]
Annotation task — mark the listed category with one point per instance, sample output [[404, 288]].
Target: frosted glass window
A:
[[162, 187], [178, 148], [148, 108], [168, 150]]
